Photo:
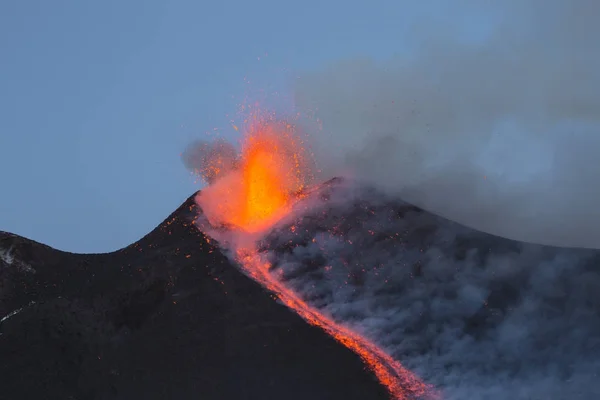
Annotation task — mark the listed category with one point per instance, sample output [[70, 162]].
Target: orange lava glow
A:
[[273, 168], [271, 173], [400, 382]]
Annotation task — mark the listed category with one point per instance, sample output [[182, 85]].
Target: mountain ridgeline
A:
[[170, 317]]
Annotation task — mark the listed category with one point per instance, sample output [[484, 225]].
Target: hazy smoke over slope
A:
[[501, 133], [479, 316]]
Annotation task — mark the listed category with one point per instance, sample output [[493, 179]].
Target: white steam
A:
[[501, 133]]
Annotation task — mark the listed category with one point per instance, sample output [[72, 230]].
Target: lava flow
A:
[[273, 168], [401, 383]]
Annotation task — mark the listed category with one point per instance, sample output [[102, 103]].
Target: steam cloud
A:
[[501, 133]]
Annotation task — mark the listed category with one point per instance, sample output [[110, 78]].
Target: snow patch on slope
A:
[[7, 258]]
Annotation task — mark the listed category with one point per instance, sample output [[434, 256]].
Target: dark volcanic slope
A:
[[479, 316], [165, 318]]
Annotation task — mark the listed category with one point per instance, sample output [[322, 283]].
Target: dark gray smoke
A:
[[501, 133], [479, 316], [210, 159]]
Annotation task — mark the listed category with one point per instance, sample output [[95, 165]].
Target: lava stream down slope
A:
[[273, 174]]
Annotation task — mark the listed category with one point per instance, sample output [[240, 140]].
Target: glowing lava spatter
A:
[[272, 172], [273, 168]]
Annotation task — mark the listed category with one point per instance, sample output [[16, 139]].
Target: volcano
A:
[[171, 316], [168, 317]]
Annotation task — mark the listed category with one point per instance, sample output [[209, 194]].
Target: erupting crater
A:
[[273, 169], [273, 173]]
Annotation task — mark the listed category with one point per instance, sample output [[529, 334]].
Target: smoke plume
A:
[[500, 133], [210, 159]]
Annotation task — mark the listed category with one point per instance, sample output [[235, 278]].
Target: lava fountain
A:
[[273, 170]]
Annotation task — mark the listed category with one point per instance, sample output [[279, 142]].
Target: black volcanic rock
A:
[[168, 317]]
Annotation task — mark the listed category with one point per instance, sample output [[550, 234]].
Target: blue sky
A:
[[98, 99]]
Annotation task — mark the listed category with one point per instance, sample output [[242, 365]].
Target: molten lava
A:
[[273, 168], [400, 382], [271, 174]]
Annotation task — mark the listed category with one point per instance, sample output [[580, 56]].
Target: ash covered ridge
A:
[[169, 316]]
